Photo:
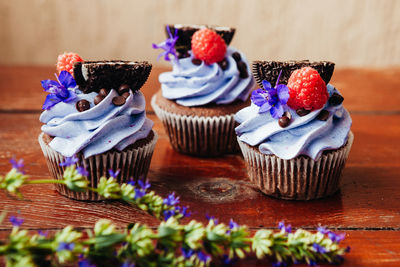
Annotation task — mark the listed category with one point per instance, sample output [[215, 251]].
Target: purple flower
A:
[[69, 161], [168, 45], [233, 224], [312, 263], [226, 261], [287, 229], [318, 248], [271, 99], [184, 211], [347, 250], [132, 182], [58, 90], [112, 173], [15, 221], [128, 264], [44, 234], [322, 230], [18, 165], [279, 264], [336, 237], [85, 262], [203, 257], [139, 193], [65, 246], [82, 171], [144, 184], [212, 218], [168, 214], [187, 253], [171, 200]]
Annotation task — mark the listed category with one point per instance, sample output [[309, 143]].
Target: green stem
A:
[[45, 181]]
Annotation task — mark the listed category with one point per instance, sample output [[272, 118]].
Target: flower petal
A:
[[258, 97], [66, 79], [48, 84], [277, 111], [265, 107], [71, 96], [283, 93], [266, 84], [50, 101]]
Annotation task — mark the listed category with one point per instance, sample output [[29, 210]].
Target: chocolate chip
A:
[[103, 92], [323, 115], [223, 64], [236, 56], [123, 89], [183, 54], [196, 61], [336, 99], [82, 105], [302, 112], [126, 95], [118, 100], [242, 70], [98, 98], [284, 121]]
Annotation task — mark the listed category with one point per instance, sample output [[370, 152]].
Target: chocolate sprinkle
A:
[[242, 70], [269, 70], [323, 115], [119, 100], [126, 95], [236, 56], [98, 98], [82, 105], [223, 64], [302, 112], [124, 88], [196, 61], [284, 121], [336, 99]]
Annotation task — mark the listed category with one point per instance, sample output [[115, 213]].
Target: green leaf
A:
[[104, 241]]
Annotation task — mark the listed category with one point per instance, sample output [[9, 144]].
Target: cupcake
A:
[[209, 82], [295, 137], [95, 113]]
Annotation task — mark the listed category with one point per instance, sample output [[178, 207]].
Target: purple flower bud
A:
[[16, 222], [212, 218], [112, 173], [144, 184], [65, 246], [233, 224], [187, 253], [82, 171], [168, 46], [287, 229], [171, 200], [168, 214], [69, 161], [203, 257], [18, 164], [318, 248]]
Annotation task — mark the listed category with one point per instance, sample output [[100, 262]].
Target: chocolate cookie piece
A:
[[269, 70], [92, 76], [185, 33]]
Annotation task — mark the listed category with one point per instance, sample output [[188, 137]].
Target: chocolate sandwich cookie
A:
[[269, 70], [92, 76], [185, 33]]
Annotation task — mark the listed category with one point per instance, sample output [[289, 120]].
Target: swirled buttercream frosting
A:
[[196, 85], [101, 128], [306, 135]]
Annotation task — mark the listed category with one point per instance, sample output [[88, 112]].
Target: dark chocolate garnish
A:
[[98, 98], [104, 92], [124, 88], [323, 115], [185, 33], [111, 74], [236, 56], [336, 99], [269, 70], [242, 67], [82, 105], [126, 95], [223, 64], [302, 112], [119, 100], [196, 61], [285, 120]]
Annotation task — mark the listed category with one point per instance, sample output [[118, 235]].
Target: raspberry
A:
[[307, 89], [66, 62], [208, 46]]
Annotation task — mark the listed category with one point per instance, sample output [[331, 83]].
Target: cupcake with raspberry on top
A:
[[210, 81], [295, 136]]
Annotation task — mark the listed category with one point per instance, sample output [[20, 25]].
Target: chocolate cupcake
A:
[[295, 137], [102, 124], [209, 83]]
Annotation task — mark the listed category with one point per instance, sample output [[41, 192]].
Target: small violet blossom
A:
[[112, 173], [203, 257], [58, 90], [271, 99], [82, 171], [332, 236], [282, 226], [168, 45], [319, 249], [187, 253], [16, 222], [171, 200], [184, 211], [233, 224], [209, 218], [65, 246], [18, 165], [168, 214], [69, 161]]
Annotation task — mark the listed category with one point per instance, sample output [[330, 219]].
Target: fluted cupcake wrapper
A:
[[199, 136], [300, 178], [132, 163]]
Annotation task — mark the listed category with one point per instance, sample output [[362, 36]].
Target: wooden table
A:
[[367, 209]]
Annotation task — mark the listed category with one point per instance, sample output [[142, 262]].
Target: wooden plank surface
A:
[[367, 207]]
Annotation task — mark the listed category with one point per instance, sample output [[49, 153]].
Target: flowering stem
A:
[[44, 181]]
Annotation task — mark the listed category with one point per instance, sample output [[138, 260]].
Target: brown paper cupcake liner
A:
[[199, 136], [133, 164], [300, 178]]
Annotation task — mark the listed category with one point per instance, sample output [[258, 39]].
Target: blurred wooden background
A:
[[349, 32]]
